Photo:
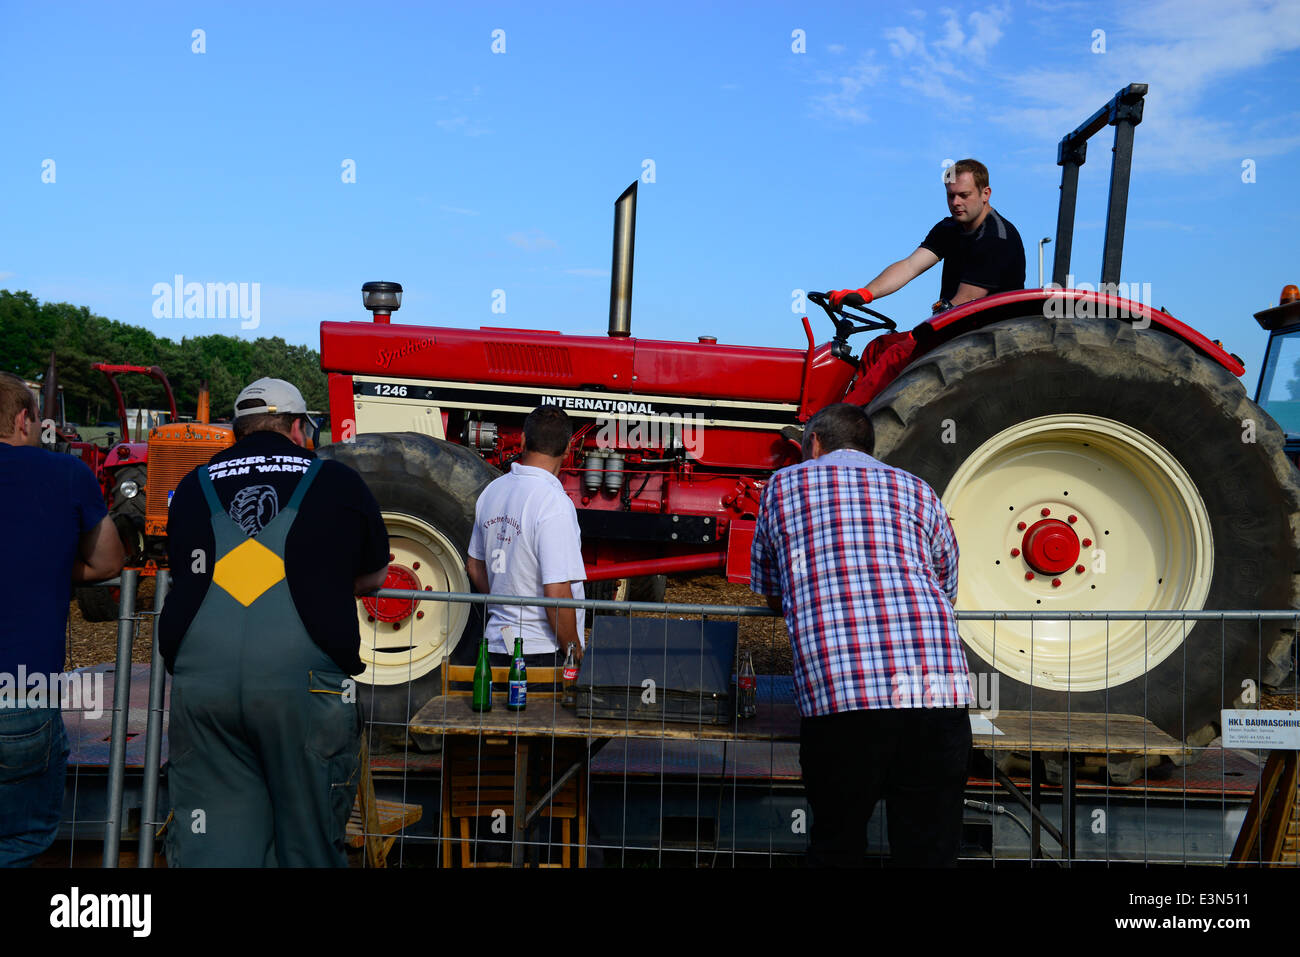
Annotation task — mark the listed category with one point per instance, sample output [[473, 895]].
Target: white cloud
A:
[[533, 240], [987, 25], [587, 271], [843, 103], [837, 48], [1185, 48], [937, 69], [461, 124], [7, 275], [902, 41]]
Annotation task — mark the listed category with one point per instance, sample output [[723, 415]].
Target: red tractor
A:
[[1094, 453], [121, 467]]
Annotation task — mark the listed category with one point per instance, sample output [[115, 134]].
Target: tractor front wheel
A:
[[426, 489]]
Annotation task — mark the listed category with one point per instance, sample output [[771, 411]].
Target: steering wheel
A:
[[846, 323], [850, 323]]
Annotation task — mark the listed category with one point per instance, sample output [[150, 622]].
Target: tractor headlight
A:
[[129, 489]]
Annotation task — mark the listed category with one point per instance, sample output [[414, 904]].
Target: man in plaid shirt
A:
[[861, 559]]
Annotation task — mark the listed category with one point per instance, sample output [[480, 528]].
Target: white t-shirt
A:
[[526, 533]]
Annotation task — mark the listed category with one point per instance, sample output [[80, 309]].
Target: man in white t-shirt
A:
[[526, 541]]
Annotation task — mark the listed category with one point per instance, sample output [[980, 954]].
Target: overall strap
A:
[[210, 493], [296, 499]]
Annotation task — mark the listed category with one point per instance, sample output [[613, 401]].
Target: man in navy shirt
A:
[[981, 250], [56, 532]]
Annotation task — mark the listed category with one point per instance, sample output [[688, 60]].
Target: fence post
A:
[[153, 732], [121, 708]]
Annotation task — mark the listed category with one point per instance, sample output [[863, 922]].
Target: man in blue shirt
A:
[[57, 532]]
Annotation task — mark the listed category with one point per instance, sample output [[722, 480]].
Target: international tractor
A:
[[1093, 452]]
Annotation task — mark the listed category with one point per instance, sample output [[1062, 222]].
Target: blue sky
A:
[[773, 169]]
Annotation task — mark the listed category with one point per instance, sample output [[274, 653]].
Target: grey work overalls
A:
[[264, 735]]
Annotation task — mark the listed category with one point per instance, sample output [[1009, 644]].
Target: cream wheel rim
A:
[[1143, 538], [399, 651]]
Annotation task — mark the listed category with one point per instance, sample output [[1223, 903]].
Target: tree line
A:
[[30, 329]]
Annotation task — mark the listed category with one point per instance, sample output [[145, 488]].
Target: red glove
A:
[[850, 297]]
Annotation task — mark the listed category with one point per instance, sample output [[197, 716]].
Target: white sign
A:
[[1247, 728], [980, 724]]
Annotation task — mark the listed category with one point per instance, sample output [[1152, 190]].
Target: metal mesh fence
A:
[[1074, 759]]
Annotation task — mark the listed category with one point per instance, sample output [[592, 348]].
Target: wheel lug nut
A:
[[370, 617], [1045, 512], [1056, 583], [1078, 569], [420, 614], [1029, 576], [1087, 542], [1021, 526], [1015, 553], [397, 626], [1073, 519], [416, 566], [391, 556]]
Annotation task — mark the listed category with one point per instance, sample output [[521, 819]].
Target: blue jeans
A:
[[33, 759]]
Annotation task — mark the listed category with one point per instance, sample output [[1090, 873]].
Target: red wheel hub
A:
[[395, 609], [1050, 546]]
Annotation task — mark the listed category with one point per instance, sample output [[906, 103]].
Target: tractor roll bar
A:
[[1124, 112]]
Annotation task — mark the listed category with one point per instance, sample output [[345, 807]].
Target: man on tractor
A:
[[981, 250]]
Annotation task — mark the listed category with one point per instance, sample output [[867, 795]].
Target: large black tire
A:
[[647, 588], [437, 483], [97, 602], [952, 400], [640, 588]]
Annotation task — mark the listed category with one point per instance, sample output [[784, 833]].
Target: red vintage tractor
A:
[[1094, 453], [121, 467], [138, 475]]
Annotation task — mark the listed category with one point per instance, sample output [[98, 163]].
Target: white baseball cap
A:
[[270, 397]]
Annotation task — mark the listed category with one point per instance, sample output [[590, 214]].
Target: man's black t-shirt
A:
[[337, 535], [992, 257]]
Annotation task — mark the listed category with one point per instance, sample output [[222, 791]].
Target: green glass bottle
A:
[[517, 700], [482, 700]]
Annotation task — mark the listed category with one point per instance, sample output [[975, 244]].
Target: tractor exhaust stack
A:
[[620, 280]]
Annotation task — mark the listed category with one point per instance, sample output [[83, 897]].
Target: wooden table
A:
[[1035, 732], [545, 718], [1074, 735]]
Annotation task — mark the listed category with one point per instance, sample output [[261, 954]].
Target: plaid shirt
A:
[[865, 560]]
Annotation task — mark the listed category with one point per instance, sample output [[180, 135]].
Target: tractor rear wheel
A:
[[426, 489], [1089, 465]]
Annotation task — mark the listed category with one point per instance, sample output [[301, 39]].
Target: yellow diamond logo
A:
[[248, 571]]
